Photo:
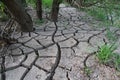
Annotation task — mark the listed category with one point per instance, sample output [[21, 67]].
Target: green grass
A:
[[107, 56], [97, 13], [37, 21], [87, 71], [108, 13], [105, 53]]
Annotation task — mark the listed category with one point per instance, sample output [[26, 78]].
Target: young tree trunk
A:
[[55, 10], [39, 9], [20, 15]]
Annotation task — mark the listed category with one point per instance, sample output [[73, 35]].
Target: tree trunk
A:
[[39, 9], [20, 15], [55, 10], [22, 3]]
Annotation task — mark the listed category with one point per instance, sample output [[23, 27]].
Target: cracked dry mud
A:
[[56, 51]]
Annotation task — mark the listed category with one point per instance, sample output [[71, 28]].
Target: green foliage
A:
[[47, 3], [107, 56], [98, 13], [31, 3], [107, 11], [3, 16], [105, 53], [87, 71], [90, 1], [37, 21], [2, 6]]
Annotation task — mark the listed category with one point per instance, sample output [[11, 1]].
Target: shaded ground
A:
[[71, 39]]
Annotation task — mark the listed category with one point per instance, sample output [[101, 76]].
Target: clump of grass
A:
[[105, 53], [107, 56], [87, 71]]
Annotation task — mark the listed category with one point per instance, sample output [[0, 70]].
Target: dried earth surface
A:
[[57, 51]]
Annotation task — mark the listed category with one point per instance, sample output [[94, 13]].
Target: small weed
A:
[[87, 71], [39, 21]]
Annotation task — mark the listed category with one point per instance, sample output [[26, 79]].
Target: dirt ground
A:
[[57, 51]]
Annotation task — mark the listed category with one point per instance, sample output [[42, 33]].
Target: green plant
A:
[[106, 11], [2, 6], [3, 16], [87, 71], [31, 3], [106, 53], [47, 3], [107, 56], [37, 21], [99, 14]]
